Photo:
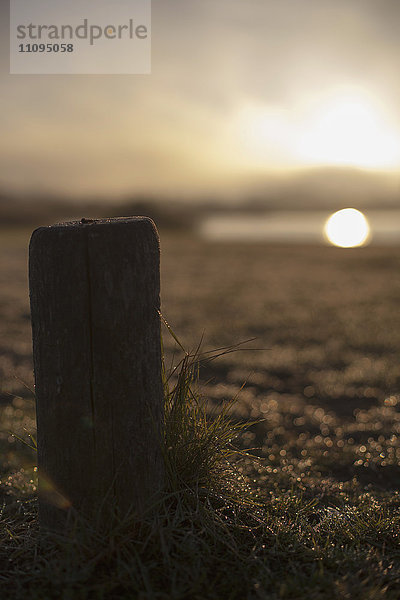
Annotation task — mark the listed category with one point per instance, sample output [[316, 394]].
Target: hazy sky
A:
[[238, 88]]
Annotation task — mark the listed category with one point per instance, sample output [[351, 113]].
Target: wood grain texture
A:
[[95, 293]]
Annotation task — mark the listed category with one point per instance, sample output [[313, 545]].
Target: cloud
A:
[[171, 130]]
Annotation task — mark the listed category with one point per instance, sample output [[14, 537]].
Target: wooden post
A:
[[95, 292]]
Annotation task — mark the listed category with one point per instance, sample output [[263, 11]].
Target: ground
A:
[[322, 371]]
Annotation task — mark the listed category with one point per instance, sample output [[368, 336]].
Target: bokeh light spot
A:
[[347, 228]]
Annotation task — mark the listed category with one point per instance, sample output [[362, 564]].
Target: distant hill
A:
[[328, 187], [318, 188], [37, 210]]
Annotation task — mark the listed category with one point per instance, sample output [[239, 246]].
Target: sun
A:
[[349, 130], [347, 228]]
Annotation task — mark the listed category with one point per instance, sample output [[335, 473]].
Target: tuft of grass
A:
[[199, 444]]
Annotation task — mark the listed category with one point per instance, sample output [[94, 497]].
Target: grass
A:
[[227, 526], [199, 445], [323, 516]]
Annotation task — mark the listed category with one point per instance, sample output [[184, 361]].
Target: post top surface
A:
[[107, 221], [145, 224]]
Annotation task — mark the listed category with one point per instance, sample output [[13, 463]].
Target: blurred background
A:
[[254, 107], [259, 121]]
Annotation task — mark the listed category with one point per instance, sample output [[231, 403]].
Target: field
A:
[[322, 371]]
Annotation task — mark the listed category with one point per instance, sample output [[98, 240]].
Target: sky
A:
[[240, 91]]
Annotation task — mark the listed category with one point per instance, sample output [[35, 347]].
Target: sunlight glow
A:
[[347, 228], [346, 127], [349, 130]]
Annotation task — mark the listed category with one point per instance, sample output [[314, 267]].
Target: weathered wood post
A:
[[95, 292]]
